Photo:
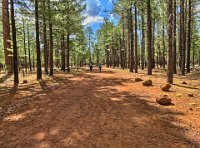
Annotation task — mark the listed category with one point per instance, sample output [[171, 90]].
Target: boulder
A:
[[147, 83], [164, 100], [165, 87], [138, 80]]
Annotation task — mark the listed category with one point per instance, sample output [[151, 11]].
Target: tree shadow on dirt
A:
[[185, 86], [5, 77], [92, 112]]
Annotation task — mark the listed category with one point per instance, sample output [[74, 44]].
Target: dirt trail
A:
[[93, 110]]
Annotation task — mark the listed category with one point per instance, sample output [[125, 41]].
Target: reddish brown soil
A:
[[107, 109]]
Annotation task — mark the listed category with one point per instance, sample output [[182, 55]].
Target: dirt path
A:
[[93, 110]]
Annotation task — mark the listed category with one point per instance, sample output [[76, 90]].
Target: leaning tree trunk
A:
[[39, 68], [15, 57], [6, 36], [170, 44], [149, 37]]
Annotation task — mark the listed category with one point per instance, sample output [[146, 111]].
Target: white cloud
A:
[[93, 19]]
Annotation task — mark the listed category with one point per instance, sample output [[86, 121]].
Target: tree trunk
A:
[[50, 40], [68, 53], [153, 42], [136, 43], [25, 57], [182, 35], [143, 42], [131, 40], [149, 37], [174, 50], [45, 40], [63, 52], [189, 36], [15, 56], [29, 52], [163, 54], [39, 68], [123, 43], [6, 36], [170, 43]]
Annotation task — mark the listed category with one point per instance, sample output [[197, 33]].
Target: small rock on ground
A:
[[164, 100], [147, 83], [165, 87], [138, 79]]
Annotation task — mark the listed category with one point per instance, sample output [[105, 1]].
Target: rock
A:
[[138, 80], [25, 81], [165, 87], [191, 109], [184, 82], [164, 100], [147, 83], [191, 95]]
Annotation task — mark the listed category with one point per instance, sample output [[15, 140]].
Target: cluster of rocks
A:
[[164, 99]]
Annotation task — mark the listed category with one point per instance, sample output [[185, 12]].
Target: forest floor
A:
[[107, 109]]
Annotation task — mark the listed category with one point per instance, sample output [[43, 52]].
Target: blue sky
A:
[[95, 13]]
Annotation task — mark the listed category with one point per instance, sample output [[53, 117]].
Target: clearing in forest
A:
[[107, 109]]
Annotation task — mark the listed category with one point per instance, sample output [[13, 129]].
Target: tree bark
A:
[[143, 42], [170, 43], [131, 40], [68, 53], [45, 39], [25, 57], [136, 42], [174, 49], [50, 39], [6, 36], [39, 68], [63, 52], [149, 36], [182, 35], [189, 36], [15, 56], [29, 52]]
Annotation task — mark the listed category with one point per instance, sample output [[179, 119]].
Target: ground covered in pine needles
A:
[[107, 109]]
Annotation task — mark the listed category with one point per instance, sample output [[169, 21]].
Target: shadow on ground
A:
[[86, 110]]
